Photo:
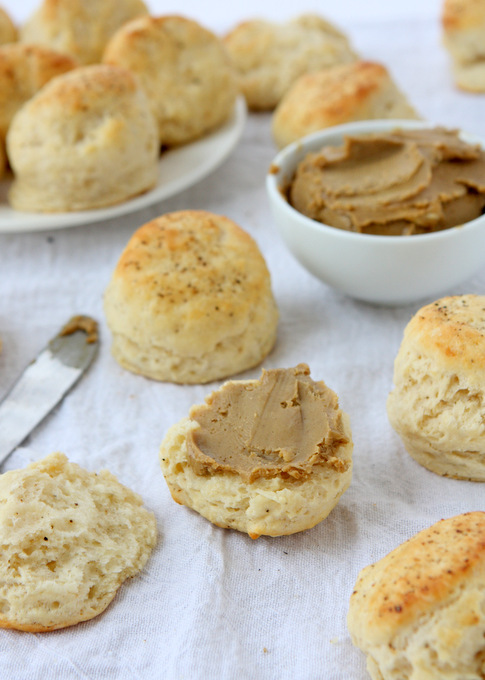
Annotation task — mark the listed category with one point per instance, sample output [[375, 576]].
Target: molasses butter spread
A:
[[283, 424], [397, 183]]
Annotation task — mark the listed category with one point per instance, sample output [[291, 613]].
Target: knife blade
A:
[[46, 381]]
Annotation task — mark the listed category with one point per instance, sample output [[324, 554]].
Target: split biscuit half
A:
[[69, 538]]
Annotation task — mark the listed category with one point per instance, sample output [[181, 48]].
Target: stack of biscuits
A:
[[100, 128], [139, 84]]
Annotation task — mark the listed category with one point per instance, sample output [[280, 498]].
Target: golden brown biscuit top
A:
[[418, 576], [147, 35], [184, 70], [462, 14], [172, 51], [191, 257], [397, 183], [283, 424], [79, 27], [42, 62], [453, 329], [270, 56], [24, 70], [87, 89], [8, 31], [187, 279], [253, 38], [330, 87]]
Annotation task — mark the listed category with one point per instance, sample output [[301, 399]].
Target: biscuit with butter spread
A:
[[266, 457]]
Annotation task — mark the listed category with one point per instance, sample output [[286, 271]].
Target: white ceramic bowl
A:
[[389, 270]]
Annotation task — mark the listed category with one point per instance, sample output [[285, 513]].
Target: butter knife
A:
[[46, 380]]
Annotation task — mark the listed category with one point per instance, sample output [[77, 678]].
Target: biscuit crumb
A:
[[58, 584]]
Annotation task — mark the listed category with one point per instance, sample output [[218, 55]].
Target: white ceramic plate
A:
[[179, 169]]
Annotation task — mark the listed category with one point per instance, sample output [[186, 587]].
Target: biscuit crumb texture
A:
[[419, 613], [437, 405], [273, 506], [69, 538]]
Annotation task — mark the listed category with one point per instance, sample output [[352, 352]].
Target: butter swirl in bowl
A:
[[387, 211]]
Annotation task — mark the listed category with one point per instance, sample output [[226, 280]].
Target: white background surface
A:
[[212, 603], [220, 16]]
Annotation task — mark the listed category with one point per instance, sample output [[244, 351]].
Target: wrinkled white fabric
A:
[[211, 603]]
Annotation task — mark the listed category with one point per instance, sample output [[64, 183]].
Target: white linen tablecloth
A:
[[212, 603]]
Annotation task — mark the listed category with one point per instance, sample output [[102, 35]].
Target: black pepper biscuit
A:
[[190, 300], [420, 611], [436, 405]]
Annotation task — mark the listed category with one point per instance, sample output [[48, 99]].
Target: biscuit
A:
[[24, 70], [464, 36], [8, 30], [86, 140], [3, 161], [190, 300], [80, 28], [437, 404], [269, 57], [276, 497], [184, 70], [357, 91], [420, 611], [69, 539]]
